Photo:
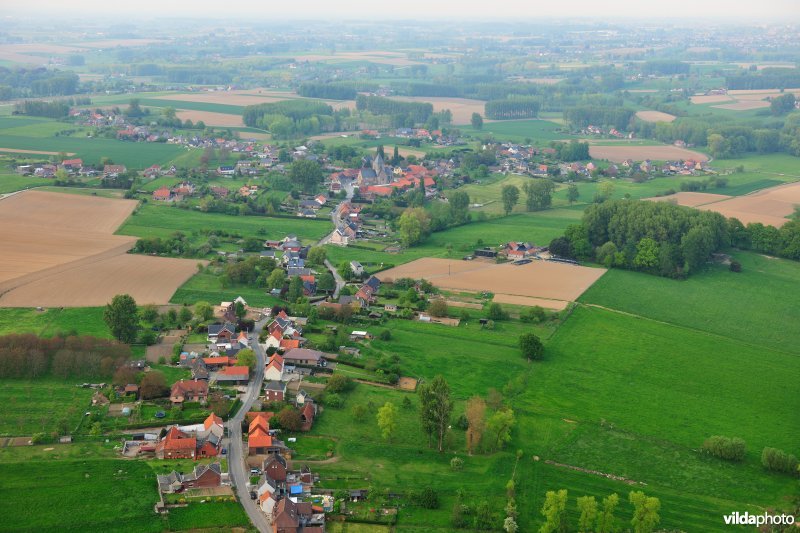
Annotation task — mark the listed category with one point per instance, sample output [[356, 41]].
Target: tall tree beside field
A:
[[606, 523], [436, 406], [587, 506], [538, 194], [476, 422], [387, 421], [477, 121], [121, 318], [645, 512], [203, 311], [572, 193], [531, 346], [414, 226], [295, 289], [498, 428], [317, 255], [459, 207], [554, 511], [510, 194]]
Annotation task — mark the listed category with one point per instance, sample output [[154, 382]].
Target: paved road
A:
[[237, 466], [339, 279]]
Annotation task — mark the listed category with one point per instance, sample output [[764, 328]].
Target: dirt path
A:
[[20, 151]]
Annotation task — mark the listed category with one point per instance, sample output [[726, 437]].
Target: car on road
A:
[[253, 495]]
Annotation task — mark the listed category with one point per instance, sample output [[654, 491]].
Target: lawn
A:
[[538, 131], [706, 301], [15, 182], [30, 406], [162, 221], [206, 515], [205, 287]]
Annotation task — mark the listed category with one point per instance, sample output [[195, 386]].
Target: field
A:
[[36, 406], [739, 100], [539, 131], [655, 116], [769, 206], [542, 280], [618, 154], [60, 252], [691, 199], [462, 108], [211, 119]]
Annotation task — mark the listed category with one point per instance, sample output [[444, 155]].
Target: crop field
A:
[[162, 221], [210, 118], [540, 131], [204, 287], [618, 154], [36, 406], [542, 280], [691, 199], [83, 321], [60, 252], [655, 116], [740, 100]]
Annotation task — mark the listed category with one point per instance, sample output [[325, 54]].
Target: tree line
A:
[[335, 90], [293, 117], [22, 82], [418, 112], [765, 79], [512, 107], [593, 115], [27, 356], [54, 109]]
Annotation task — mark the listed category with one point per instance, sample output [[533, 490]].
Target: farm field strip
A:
[[618, 154], [550, 284]]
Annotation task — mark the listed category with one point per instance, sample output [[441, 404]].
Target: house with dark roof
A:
[[221, 332], [303, 356], [275, 391]]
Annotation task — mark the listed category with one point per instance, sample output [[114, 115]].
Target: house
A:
[[163, 194], [219, 192], [360, 336], [303, 356], [218, 363], [259, 440], [189, 391], [237, 375], [202, 477], [307, 414], [275, 391], [274, 368], [289, 516], [176, 445], [221, 332], [366, 294], [112, 171], [226, 170], [72, 165], [321, 200], [339, 238], [357, 268]]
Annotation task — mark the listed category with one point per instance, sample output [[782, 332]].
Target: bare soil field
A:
[[618, 154], [462, 108], [690, 199], [59, 250], [538, 279], [769, 206], [710, 98], [387, 58], [210, 118], [655, 116], [32, 53], [407, 384], [147, 279], [744, 105], [464, 305], [251, 97]]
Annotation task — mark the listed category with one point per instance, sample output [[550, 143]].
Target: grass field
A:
[[538, 131], [84, 321], [703, 302], [161, 221], [209, 288], [15, 182], [35, 406]]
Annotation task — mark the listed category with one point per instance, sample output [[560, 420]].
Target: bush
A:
[[457, 463], [338, 383], [496, 312], [735, 266], [730, 449], [385, 335], [333, 400], [438, 308], [427, 498], [779, 461], [531, 346]]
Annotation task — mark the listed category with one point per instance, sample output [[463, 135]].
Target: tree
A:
[[476, 422], [510, 194], [289, 419], [295, 289], [338, 383], [483, 516], [572, 193], [317, 255], [496, 312], [477, 121], [276, 279], [604, 192], [538, 194], [646, 254], [149, 313], [554, 511], [185, 315], [204, 311], [605, 520], [436, 406], [782, 104], [240, 310], [387, 420], [124, 375], [306, 174], [645, 512], [414, 225], [510, 525], [326, 282], [697, 245], [531, 346], [428, 498], [154, 385], [121, 318], [498, 428], [587, 505], [438, 307], [246, 357]]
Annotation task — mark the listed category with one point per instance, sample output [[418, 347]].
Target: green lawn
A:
[[82, 320], [209, 288], [539, 131], [14, 182]]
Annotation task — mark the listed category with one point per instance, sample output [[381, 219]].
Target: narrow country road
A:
[[237, 466], [339, 279]]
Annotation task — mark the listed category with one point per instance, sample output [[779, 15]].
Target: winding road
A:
[[237, 464]]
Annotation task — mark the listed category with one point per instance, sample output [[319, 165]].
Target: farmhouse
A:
[[202, 477], [237, 375], [274, 369], [259, 440], [221, 332], [303, 356], [275, 391], [189, 391]]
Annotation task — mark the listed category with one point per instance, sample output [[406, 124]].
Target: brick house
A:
[[189, 391]]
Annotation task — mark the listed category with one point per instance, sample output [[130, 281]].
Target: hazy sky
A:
[[418, 9]]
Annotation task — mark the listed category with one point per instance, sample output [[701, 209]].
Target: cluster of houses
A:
[[192, 442], [73, 167], [366, 295], [284, 495], [308, 208]]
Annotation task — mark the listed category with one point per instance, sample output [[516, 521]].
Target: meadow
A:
[[162, 221], [36, 406], [83, 321], [539, 131], [204, 287]]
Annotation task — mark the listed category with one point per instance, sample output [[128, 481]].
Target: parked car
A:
[[253, 495], [255, 471]]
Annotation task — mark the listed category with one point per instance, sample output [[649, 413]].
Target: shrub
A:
[[531, 346], [339, 383], [730, 449], [457, 463], [438, 308], [427, 498], [779, 461], [496, 312], [385, 335], [735, 266], [333, 400]]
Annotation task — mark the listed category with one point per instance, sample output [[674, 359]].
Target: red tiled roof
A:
[[240, 371], [259, 422], [288, 344], [259, 439], [212, 420]]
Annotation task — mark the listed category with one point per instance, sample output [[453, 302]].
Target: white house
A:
[[357, 268]]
